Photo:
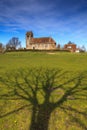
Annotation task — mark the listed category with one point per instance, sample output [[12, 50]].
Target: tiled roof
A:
[[42, 40]]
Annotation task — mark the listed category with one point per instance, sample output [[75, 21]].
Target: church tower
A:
[[29, 35]]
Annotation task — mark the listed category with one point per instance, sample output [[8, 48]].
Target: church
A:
[[42, 43]]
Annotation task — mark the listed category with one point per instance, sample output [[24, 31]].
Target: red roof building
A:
[[71, 47], [43, 43]]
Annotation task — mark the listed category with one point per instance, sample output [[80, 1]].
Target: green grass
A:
[[68, 61], [22, 73]]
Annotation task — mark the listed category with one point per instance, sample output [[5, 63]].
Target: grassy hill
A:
[[43, 91], [68, 61]]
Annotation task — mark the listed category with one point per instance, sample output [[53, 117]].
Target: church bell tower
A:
[[29, 35]]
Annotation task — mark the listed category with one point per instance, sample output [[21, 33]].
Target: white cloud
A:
[[50, 18]]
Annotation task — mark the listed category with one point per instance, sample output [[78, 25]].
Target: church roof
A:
[[42, 40]]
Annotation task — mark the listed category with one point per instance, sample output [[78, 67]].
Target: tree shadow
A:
[[44, 90]]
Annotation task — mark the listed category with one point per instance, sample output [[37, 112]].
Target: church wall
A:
[[41, 46]]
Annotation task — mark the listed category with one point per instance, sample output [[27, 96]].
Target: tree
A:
[[70, 42], [58, 46], [1, 47], [83, 49], [13, 44]]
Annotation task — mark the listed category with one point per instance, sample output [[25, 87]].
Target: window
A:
[[69, 47]]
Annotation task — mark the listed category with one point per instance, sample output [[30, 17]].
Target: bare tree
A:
[[13, 44], [83, 49], [58, 46], [2, 48]]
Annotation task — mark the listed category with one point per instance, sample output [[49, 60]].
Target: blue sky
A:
[[64, 20]]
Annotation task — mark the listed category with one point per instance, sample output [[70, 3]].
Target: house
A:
[[43, 43], [71, 47]]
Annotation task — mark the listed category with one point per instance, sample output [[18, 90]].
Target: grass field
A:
[[69, 61], [43, 91]]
